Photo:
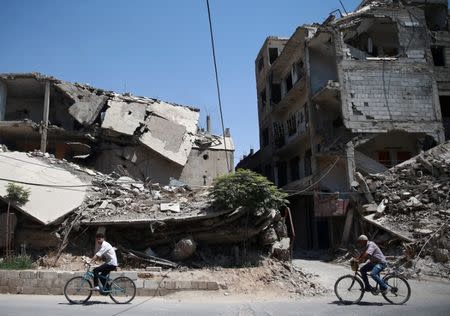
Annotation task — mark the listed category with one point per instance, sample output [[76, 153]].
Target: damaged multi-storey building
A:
[[357, 94], [144, 138]]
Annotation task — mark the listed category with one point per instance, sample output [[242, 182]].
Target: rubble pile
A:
[[412, 202], [166, 221]]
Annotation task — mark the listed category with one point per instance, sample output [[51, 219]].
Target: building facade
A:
[[359, 93]]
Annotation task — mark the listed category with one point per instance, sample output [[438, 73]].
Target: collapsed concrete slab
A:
[[87, 105], [131, 135], [54, 192]]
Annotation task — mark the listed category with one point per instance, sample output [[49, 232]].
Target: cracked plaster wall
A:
[[399, 94]]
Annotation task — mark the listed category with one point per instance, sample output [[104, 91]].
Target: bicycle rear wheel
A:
[[398, 291], [349, 289], [122, 290], [78, 290]]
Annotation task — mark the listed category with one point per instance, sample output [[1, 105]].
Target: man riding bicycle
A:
[[103, 250], [376, 264]]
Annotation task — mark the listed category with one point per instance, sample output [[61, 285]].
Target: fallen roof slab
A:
[[54, 193]]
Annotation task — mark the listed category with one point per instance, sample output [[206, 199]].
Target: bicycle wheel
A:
[[122, 290], [349, 289], [78, 290], [398, 291]]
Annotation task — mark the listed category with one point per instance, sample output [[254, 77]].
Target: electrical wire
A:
[[320, 179], [217, 83]]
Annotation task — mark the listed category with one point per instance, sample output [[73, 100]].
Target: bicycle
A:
[[349, 288], [78, 290]]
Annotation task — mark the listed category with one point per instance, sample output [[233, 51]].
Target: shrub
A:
[[248, 189], [17, 194], [19, 262]]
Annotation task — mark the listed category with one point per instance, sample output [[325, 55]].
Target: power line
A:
[[320, 179], [217, 83]]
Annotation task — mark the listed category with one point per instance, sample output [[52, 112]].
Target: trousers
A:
[[102, 270], [375, 269]]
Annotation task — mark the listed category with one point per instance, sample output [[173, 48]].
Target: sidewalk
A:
[[53, 282]]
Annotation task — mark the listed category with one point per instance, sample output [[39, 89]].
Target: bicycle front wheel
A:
[[78, 290], [398, 291], [349, 289], [122, 290]]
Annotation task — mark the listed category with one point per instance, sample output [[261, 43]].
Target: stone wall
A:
[[53, 282]]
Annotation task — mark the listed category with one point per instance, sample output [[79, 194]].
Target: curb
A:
[[52, 282]]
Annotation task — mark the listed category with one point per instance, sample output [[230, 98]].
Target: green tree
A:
[[248, 189], [19, 196]]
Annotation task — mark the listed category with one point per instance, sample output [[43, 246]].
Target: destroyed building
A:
[[360, 92], [141, 137]]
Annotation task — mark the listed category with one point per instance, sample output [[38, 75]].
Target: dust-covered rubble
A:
[[412, 201]]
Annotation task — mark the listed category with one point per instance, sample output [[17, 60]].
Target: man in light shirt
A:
[[376, 264], [106, 251]]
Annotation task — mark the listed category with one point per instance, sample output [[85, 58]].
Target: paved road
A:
[[428, 298]]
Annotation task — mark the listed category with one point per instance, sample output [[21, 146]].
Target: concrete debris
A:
[[281, 249], [173, 207], [184, 249], [137, 215], [134, 136], [415, 199], [47, 183]]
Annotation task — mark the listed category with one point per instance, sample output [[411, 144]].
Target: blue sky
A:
[[157, 49]]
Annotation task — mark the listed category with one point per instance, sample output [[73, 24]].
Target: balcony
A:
[[292, 97], [289, 143], [328, 95]]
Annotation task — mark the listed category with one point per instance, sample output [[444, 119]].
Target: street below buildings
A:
[[428, 298]]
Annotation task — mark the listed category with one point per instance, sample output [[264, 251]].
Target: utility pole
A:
[[45, 117]]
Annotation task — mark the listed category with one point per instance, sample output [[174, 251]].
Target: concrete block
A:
[[183, 285], [202, 285], [131, 274], [46, 283], [65, 275], [212, 286], [42, 291], [195, 285], [30, 282], [15, 283], [152, 284], [146, 292], [168, 285], [3, 281], [139, 283], [4, 289], [28, 290], [11, 274], [48, 274], [28, 274]]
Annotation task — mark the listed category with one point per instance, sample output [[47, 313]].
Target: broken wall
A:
[[322, 67], [137, 161], [392, 148], [400, 93], [167, 129]]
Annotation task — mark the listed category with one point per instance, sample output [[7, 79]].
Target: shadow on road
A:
[[88, 303], [360, 303]]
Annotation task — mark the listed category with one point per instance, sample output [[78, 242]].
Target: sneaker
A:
[[96, 288]]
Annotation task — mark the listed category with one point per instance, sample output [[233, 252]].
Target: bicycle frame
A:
[[89, 275]]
